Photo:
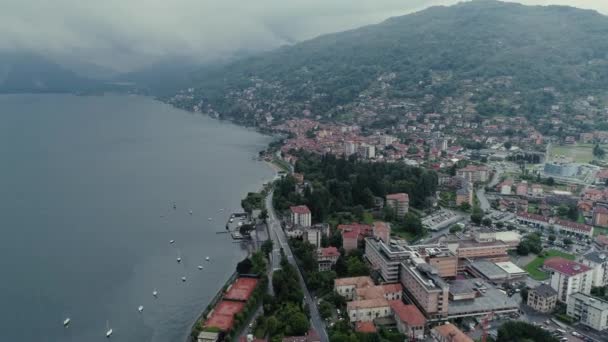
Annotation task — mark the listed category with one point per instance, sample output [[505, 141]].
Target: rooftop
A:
[[354, 281], [488, 269], [367, 304], [565, 266], [408, 313], [329, 252], [491, 300], [401, 197], [595, 302], [596, 257], [544, 290], [510, 267], [365, 327], [451, 333], [300, 209]]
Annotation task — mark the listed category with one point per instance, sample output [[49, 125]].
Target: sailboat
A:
[[109, 330], [140, 308], [171, 241], [66, 322], [179, 257], [155, 293]]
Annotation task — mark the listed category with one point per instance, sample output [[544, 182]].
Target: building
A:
[[313, 236], [367, 151], [207, 336], [513, 271], [474, 173], [600, 216], [568, 277], [311, 336], [464, 194], [438, 256], [382, 231], [522, 189], [590, 311], [495, 251], [561, 169], [385, 258], [327, 258], [410, 321], [449, 333], [368, 310], [598, 262], [487, 270], [601, 241], [542, 298], [511, 237], [353, 233], [346, 287], [424, 287], [400, 202], [301, 216], [475, 297], [350, 148], [539, 221], [386, 291], [365, 327]]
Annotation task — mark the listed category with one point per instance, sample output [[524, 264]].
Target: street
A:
[[280, 241]]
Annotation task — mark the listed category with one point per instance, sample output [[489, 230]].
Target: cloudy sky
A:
[[125, 34]]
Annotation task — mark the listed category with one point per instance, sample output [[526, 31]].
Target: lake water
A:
[[87, 186]]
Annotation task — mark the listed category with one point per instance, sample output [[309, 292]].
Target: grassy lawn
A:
[[600, 230], [533, 267], [580, 153], [368, 218]]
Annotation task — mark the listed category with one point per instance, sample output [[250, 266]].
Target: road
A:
[[484, 204], [280, 241]]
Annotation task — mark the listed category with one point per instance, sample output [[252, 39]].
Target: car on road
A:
[[574, 333]]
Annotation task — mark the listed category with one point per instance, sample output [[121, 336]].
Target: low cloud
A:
[[126, 34]]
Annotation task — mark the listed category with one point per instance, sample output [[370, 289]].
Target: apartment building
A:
[[425, 288], [300, 215], [400, 202], [382, 230], [590, 311], [346, 286], [557, 224], [495, 251], [449, 333], [598, 262], [385, 258], [542, 298], [568, 277], [474, 173], [410, 321], [327, 258], [368, 310]]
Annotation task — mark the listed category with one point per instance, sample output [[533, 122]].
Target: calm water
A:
[[86, 192]]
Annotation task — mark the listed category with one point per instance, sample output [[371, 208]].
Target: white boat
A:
[[140, 308], [155, 293], [183, 279], [209, 219], [200, 267], [171, 241], [190, 212], [207, 258], [222, 209], [66, 322], [179, 257], [109, 330]]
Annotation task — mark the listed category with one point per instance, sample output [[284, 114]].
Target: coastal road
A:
[[280, 241]]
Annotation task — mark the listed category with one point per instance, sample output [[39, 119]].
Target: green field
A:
[[580, 153], [533, 267]]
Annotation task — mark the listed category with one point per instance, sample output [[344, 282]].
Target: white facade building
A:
[[568, 277], [590, 311]]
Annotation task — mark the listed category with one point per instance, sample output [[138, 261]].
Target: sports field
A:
[[580, 153]]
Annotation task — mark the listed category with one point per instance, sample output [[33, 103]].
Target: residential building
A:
[[522, 189], [386, 291], [350, 148], [311, 336], [495, 251], [557, 224], [300, 215], [511, 237], [382, 231], [590, 311], [449, 333], [367, 151], [598, 262], [327, 258], [313, 236], [425, 288], [601, 241], [600, 216], [464, 194], [439, 256], [537, 190], [410, 321], [365, 327], [400, 202], [346, 287], [568, 277], [385, 258], [474, 173], [542, 298], [368, 310], [353, 233]]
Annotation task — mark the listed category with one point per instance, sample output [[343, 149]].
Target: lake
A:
[[87, 191]]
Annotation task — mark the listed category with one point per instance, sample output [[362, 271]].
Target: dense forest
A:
[[437, 51], [339, 184]]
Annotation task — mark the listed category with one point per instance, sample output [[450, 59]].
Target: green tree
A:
[[567, 241], [267, 247], [297, 325], [551, 238], [272, 325], [325, 310], [550, 181], [476, 215], [356, 267], [598, 152], [517, 331], [486, 222]]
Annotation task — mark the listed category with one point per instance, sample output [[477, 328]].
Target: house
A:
[[410, 321], [522, 189], [600, 216], [386, 291], [300, 215], [367, 310], [542, 298], [568, 277], [464, 194], [601, 241], [449, 333], [536, 190], [353, 233], [346, 287], [474, 173], [327, 258], [400, 202]]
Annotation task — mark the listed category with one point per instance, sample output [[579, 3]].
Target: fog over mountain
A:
[[126, 35]]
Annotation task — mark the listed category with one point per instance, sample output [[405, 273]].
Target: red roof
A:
[[223, 315], [600, 210], [330, 252], [241, 289], [392, 288], [602, 240], [408, 313], [401, 197], [574, 225], [365, 327], [300, 209], [565, 266]]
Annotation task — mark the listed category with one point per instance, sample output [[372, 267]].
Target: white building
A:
[[300, 215], [590, 311], [368, 310], [346, 287], [350, 148], [598, 262], [568, 277], [313, 236]]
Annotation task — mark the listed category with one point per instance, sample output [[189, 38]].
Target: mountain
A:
[[492, 57], [24, 72]]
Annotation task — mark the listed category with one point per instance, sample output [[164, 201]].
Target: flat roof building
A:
[[590, 311], [385, 258], [425, 288], [543, 298], [568, 277]]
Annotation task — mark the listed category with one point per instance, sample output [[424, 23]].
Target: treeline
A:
[[340, 184]]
